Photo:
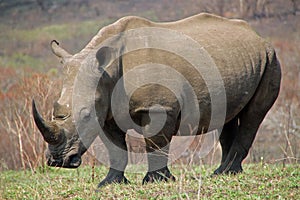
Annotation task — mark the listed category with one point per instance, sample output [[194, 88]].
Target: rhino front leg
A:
[[157, 147], [114, 140]]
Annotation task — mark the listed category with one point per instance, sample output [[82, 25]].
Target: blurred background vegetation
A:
[[29, 70]]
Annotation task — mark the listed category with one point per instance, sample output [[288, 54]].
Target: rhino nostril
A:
[[61, 117]]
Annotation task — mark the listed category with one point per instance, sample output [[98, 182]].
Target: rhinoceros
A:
[[143, 75]]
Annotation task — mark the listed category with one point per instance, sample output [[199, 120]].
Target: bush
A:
[[21, 143]]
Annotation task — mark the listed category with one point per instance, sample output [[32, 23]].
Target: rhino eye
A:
[[85, 114]]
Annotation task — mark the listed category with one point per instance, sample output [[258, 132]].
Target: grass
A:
[[257, 182], [19, 60]]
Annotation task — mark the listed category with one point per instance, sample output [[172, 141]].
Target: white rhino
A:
[[185, 77]]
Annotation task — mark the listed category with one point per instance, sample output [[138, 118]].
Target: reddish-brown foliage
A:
[[21, 143]]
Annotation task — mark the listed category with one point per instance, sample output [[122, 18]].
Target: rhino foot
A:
[[113, 176], [159, 175], [228, 170]]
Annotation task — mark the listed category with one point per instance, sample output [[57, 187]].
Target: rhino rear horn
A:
[[50, 131], [58, 51]]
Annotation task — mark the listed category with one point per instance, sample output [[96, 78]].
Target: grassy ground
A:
[[257, 182]]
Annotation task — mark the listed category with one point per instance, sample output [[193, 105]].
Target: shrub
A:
[[22, 144]]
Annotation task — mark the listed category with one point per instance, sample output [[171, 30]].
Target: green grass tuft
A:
[[257, 182]]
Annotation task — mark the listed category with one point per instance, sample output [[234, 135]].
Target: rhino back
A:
[[238, 52]]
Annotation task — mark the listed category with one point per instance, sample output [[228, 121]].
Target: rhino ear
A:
[[110, 61], [105, 55], [58, 51]]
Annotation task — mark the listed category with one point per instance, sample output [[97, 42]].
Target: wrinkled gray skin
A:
[[246, 62]]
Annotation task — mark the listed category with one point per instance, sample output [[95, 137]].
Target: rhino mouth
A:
[[72, 161], [54, 135]]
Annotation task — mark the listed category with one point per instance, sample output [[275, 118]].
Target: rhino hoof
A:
[[231, 170], [158, 175], [113, 176], [112, 181]]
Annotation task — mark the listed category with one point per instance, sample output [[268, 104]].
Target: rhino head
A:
[[72, 130]]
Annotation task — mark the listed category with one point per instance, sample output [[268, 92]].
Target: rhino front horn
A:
[[51, 132]]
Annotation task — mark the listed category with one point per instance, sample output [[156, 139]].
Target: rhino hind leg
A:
[[251, 117], [247, 129], [229, 132]]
